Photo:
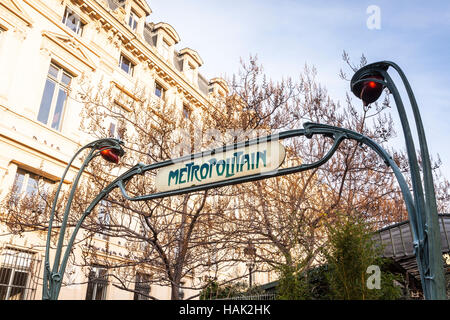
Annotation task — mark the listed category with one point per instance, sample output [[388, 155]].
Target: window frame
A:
[[58, 85], [162, 89], [104, 217], [139, 286], [187, 112], [164, 50], [80, 24], [14, 269], [115, 128], [133, 20], [131, 67], [181, 292], [24, 184], [22, 191], [97, 281], [190, 73]]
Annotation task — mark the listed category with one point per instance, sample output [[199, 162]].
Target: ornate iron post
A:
[[111, 151], [367, 84]]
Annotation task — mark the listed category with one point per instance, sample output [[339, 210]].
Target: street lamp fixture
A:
[[111, 155], [250, 253], [369, 88], [367, 84]]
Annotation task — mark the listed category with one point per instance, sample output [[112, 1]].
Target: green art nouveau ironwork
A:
[[367, 84], [191, 166], [110, 150]]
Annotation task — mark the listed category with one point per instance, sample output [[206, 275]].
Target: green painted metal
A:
[[338, 135], [53, 278], [421, 209], [425, 224]]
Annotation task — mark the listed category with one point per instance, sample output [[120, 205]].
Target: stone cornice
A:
[[135, 45], [15, 7], [50, 15], [144, 52], [72, 46]]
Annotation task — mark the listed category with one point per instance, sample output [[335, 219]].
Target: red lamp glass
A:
[[110, 155], [371, 90]]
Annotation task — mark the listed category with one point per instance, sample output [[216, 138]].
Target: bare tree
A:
[[284, 216], [176, 240]]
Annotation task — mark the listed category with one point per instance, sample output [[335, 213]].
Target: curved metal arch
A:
[[426, 222], [53, 278], [310, 129]]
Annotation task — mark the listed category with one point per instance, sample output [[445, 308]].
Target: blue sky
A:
[[286, 34]]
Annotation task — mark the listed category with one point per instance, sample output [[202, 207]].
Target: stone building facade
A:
[[45, 47]]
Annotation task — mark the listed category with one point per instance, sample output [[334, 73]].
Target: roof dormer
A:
[[135, 13], [166, 31], [166, 38], [191, 61], [218, 87], [143, 5]]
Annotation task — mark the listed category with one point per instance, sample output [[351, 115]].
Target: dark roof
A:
[[149, 36], [150, 39], [397, 242], [270, 286], [203, 84]]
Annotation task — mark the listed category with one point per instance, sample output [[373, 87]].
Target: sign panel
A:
[[238, 162]]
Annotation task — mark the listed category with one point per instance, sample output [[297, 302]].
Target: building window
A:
[[126, 65], [165, 50], [116, 129], [112, 130], [187, 116], [144, 231], [27, 184], [142, 286], [15, 274], [186, 112], [73, 21], [159, 91], [181, 291], [190, 73], [133, 21], [97, 283], [54, 97]]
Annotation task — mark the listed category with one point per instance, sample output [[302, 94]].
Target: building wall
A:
[[32, 37]]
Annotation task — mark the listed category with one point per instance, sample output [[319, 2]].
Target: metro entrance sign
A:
[[261, 158], [242, 162], [246, 161], [237, 162]]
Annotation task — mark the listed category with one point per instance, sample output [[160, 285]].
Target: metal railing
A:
[[19, 271]]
